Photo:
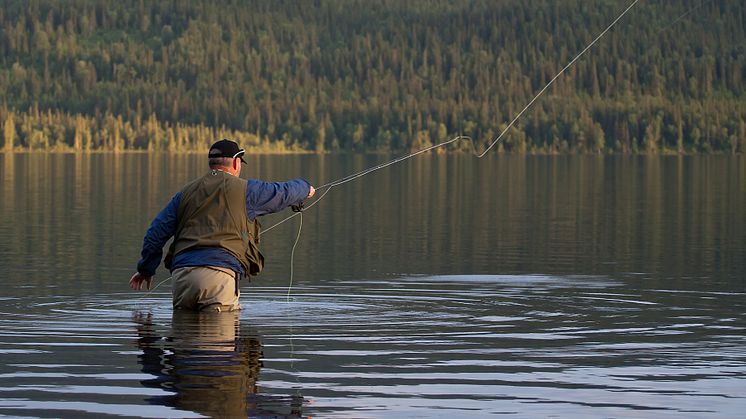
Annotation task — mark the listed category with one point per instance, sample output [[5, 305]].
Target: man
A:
[[216, 234]]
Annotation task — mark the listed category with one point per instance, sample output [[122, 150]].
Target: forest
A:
[[372, 75]]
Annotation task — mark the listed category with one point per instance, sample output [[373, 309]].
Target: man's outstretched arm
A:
[[264, 198]]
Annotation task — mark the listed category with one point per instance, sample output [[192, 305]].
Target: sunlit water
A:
[[612, 297]]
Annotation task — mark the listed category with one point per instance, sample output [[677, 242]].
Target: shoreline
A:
[[340, 153]]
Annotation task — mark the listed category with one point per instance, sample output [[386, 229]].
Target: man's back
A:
[[212, 214], [216, 235]]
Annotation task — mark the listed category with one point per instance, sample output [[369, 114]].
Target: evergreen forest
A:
[[372, 75]]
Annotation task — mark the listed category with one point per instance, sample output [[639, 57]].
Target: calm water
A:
[[442, 287]]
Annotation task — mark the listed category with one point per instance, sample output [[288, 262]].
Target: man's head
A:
[[226, 154]]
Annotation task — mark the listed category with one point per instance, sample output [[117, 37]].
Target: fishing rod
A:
[[351, 177], [298, 210]]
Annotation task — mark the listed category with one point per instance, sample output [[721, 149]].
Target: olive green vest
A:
[[212, 213]]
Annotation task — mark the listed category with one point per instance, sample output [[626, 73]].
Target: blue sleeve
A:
[[264, 198], [161, 229]]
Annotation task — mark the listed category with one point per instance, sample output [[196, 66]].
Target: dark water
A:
[[442, 287]]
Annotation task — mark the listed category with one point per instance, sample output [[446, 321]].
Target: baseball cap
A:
[[227, 148]]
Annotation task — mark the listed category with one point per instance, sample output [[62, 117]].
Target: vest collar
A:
[[214, 172]]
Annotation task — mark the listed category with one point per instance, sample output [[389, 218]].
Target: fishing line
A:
[[292, 255], [362, 173], [687, 13], [557, 76], [154, 288]]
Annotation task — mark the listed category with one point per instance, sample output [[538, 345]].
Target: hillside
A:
[[379, 75]]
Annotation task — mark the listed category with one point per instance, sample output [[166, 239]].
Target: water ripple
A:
[[414, 346]]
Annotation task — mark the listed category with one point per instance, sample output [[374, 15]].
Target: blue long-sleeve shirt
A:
[[262, 198]]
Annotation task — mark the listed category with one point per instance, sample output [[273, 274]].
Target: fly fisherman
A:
[[216, 234]]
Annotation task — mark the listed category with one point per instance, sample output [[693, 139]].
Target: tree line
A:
[[372, 75]]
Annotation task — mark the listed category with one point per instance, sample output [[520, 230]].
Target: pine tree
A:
[[9, 132]]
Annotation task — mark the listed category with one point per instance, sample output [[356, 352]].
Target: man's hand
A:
[[311, 192], [138, 281]]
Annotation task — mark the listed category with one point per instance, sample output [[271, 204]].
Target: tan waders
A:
[[205, 288]]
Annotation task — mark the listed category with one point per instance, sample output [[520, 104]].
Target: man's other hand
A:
[[139, 281], [311, 192]]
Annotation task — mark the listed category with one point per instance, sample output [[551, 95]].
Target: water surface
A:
[[442, 287]]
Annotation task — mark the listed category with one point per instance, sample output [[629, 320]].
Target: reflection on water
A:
[[210, 367], [572, 286], [80, 218], [453, 346]]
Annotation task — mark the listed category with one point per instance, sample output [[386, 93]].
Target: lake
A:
[[444, 286]]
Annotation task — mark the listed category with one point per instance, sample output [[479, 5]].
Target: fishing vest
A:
[[212, 213]]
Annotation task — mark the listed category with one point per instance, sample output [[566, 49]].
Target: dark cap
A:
[[227, 148]]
